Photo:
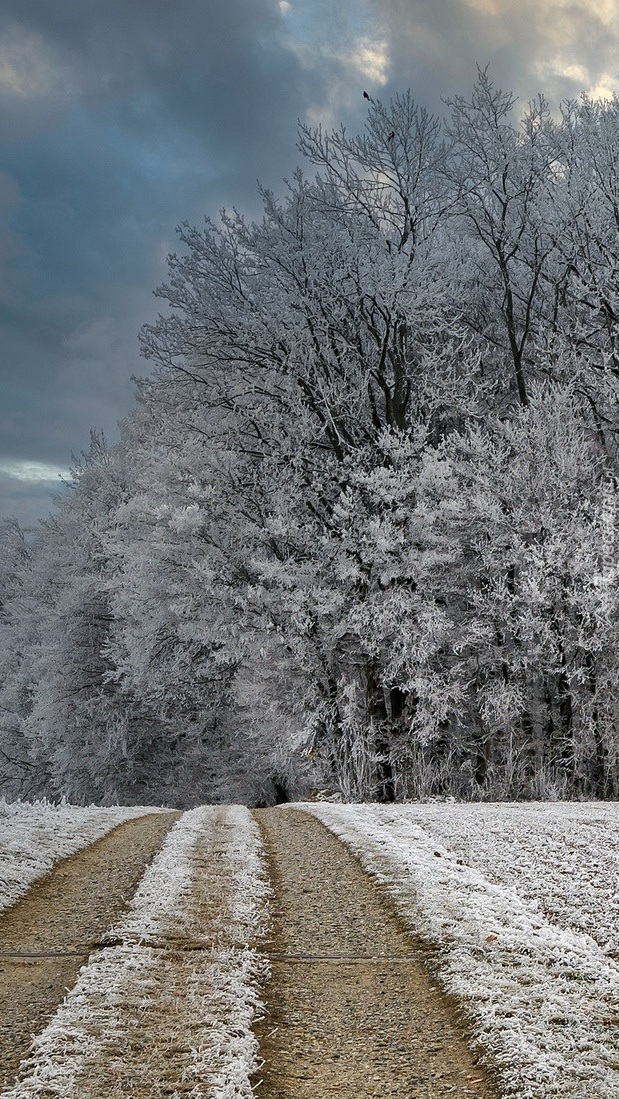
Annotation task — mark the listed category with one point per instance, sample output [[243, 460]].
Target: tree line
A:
[[359, 532]]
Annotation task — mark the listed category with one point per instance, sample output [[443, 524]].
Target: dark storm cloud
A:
[[192, 78], [120, 119]]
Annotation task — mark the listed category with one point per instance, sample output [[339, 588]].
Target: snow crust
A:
[[34, 836], [212, 999], [522, 903]]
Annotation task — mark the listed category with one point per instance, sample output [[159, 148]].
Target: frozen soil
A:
[[352, 1008], [47, 936]]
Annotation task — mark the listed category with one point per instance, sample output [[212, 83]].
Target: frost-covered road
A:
[[48, 935], [515, 907], [522, 902], [352, 1009], [165, 1006], [35, 836]]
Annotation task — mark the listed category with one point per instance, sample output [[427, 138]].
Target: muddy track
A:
[[46, 937], [352, 1009]]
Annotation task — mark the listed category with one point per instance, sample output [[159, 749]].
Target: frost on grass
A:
[[505, 892], [34, 836], [168, 1008], [565, 857]]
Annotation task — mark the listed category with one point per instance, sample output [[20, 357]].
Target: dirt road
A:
[[47, 936], [351, 1007]]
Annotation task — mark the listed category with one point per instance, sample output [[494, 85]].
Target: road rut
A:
[[48, 934], [351, 1008]]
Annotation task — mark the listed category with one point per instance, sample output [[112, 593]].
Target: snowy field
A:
[[34, 836], [174, 995], [522, 902]]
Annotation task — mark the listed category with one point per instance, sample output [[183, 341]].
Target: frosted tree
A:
[[359, 532], [176, 546], [503, 183], [20, 775], [536, 625], [314, 333]]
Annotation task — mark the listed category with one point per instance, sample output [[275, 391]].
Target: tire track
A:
[[46, 937], [351, 1007]]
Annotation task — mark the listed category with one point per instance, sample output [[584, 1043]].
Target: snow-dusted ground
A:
[[175, 994], [522, 902], [34, 836]]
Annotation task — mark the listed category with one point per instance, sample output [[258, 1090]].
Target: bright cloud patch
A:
[[372, 60], [563, 13], [486, 7], [606, 87], [32, 471], [601, 86], [567, 46], [25, 68]]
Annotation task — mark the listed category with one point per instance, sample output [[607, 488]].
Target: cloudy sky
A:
[[121, 118]]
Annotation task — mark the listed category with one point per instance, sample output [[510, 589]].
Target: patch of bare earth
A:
[[351, 1007], [47, 936]]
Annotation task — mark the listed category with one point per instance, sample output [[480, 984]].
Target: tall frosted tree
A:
[[359, 532]]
